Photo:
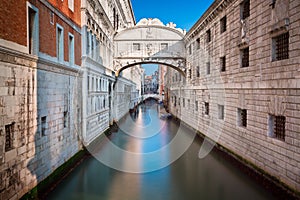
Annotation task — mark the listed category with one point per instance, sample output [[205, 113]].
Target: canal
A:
[[189, 177]]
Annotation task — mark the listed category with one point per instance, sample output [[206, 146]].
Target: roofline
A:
[[132, 13], [154, 26], [206, 14]]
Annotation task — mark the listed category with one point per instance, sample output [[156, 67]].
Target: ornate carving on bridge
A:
[[150, 41]]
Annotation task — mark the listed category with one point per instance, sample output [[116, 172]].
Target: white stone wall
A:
[[30, 91], [265, 87]]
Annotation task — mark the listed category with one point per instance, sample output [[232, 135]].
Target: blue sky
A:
[[183, 13]]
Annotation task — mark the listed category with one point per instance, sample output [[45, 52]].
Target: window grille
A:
[[9, 129], [223, 64], [282, 46], [43, 128], [221, 111], [208, 36], [198, 43], [198, 71], [245, 57], [136, 47], [223, 24], [245, 8], [206, 106], [208, 68], [242, 117], [279, 127]]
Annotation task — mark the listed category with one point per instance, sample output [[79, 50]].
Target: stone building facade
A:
[[242, 83], [40, 58], [101, 20]]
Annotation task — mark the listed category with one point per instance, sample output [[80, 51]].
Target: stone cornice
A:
[[17, 57]]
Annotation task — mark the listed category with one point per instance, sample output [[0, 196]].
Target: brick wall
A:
[[264, 87]]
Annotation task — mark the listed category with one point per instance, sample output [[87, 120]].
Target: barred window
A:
[[65, 119], [221, 111], [208, 36], [206, 108], [175, 101], [198, 71], [136, 47], [198, 43], [9, 131], [43, 125], [242, 117], [190, 73], [245, 57], [281, 47], [208, 68], [164, 46], [223, 64], [277, 126], [223, 24], [245, 9]]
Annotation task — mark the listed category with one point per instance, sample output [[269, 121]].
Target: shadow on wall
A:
[[57, 137]]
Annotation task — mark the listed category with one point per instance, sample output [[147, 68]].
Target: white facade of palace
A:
[[101, 91]]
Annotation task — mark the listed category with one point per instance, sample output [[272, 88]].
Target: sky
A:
[[183, 13]]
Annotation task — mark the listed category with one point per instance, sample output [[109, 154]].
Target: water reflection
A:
[[187, 178]]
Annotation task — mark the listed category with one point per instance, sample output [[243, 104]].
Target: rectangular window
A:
[[221, 111], [9, 131], [43, 125], [136, 46], [32, 30], [223, 24], [277, 127], [245, 57], [223, 64], [164, 46], [206, 108], [198, 43], [242, 117], [196, 105], [65, 119], [208, 68], [208, 36], [71, 5], [183, 102], [190, 49], [198, 71], [59, 43], [71, 49], [190, 73], [179, 101], [175, 101], [281, 47], [189, 104], [92, 45], [245, 9]]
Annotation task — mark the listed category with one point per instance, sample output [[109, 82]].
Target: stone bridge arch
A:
[[150, 41]]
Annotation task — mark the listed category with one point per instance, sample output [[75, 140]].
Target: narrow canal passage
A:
[[188, 178]]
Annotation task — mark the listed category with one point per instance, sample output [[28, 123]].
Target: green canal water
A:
[[187, 178]]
